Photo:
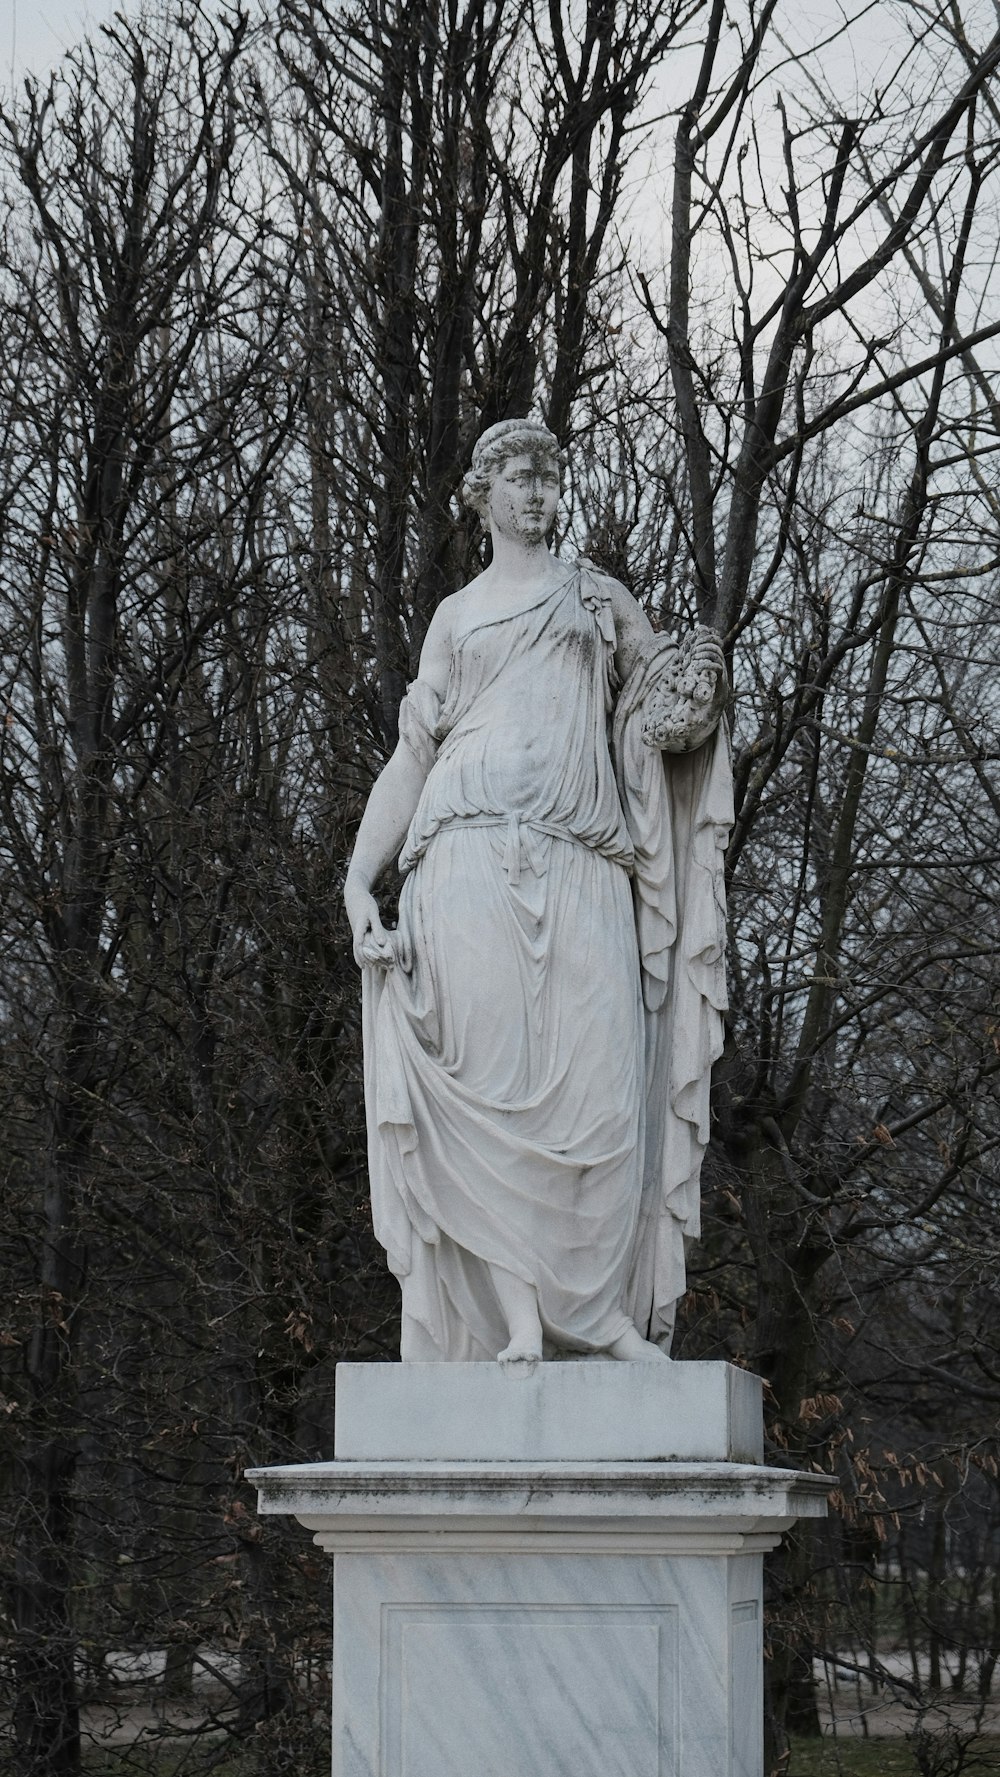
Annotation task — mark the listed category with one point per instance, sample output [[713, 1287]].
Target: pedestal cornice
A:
[[717, 1508]]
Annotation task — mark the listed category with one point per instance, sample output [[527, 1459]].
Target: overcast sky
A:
[[35, 33]]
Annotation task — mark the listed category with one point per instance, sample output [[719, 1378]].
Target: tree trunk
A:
[[47, 1715]]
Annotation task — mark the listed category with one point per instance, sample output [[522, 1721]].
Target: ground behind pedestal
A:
[[863, 1738]]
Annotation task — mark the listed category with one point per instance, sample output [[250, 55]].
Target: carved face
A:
[[524, 495]]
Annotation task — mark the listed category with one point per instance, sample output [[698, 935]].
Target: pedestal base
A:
[[549, 1617]]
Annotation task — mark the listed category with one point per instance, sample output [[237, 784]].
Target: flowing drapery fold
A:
[[679, 811]]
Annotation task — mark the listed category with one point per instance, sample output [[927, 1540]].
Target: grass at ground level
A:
[[810, 1758], [129, 1763], [876, 1758], [851, 1758], [151, 1761]]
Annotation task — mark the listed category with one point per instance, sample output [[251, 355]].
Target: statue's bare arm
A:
[[633, 628], [390, 810]]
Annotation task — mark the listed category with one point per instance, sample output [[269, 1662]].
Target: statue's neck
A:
[[521, 564]]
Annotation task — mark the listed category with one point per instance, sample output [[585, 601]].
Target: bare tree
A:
[[465, 169], [139, 324]]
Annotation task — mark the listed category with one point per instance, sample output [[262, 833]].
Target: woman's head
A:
[[498, 444]]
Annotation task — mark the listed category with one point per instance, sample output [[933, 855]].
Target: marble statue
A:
[[540, 1027]]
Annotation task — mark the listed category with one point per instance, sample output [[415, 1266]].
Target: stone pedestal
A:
[[550, 1575]]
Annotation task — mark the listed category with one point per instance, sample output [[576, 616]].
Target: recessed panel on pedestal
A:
[[514, 1690]]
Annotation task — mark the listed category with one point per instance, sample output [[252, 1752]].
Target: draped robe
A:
[[537, 1074]]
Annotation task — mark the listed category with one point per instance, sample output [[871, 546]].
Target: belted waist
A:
[[521, 848]]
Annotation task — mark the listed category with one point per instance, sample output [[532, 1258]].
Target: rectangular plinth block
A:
[[558, 1412]]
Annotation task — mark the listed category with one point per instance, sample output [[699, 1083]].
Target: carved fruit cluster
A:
[[677, 704]]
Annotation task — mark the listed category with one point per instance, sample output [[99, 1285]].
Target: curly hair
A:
[[508, 438]]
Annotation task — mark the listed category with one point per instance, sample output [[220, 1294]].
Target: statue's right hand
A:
[[371, 940], [374, 947]]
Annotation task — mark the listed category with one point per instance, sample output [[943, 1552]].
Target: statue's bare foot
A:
[[632, 1348], [523, 1352], [519, 1301]]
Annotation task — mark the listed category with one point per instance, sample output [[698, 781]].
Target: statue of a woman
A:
[[541, 1026]]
